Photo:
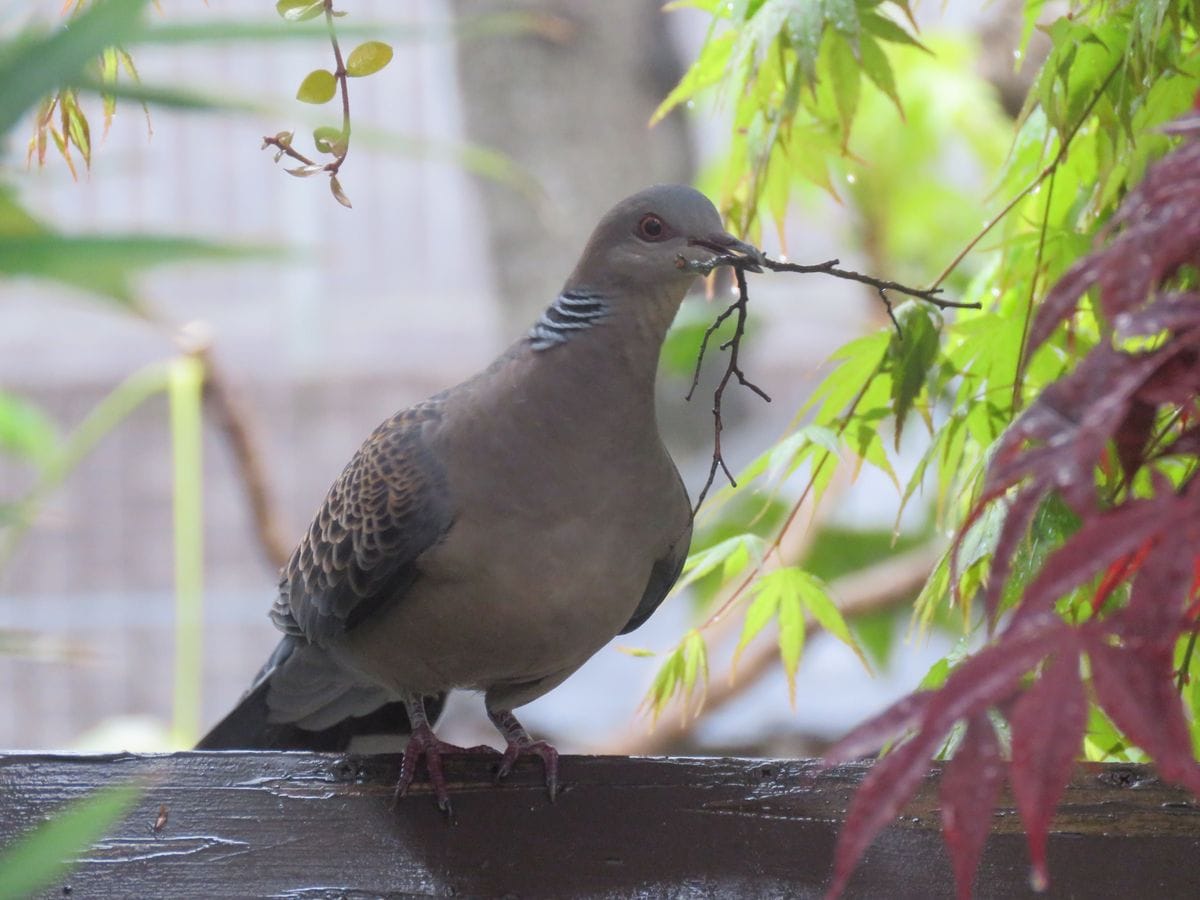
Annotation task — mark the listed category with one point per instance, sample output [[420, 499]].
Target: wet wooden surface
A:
[[295, 825]]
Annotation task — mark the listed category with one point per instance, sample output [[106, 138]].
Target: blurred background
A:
[[481, 158]]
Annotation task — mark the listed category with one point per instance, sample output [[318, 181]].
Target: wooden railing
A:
[[300, 825]]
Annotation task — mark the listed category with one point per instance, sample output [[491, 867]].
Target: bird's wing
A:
[[389, 505], [663, 574]]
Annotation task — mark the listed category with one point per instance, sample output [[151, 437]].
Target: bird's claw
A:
[[423, 743], [543, 751]]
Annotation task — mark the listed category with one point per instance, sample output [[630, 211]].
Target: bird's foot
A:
[[542, 750], [423, 743]]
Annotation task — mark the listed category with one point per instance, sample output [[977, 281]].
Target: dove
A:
[[495, 536]]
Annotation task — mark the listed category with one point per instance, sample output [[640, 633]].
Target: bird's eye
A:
[[652, 228]]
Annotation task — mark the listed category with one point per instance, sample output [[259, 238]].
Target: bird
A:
[[495, 536]]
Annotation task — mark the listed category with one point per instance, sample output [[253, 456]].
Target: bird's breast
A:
[[561, 505], [531, 581]]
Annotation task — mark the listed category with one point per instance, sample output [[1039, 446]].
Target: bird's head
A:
[[639, 243]]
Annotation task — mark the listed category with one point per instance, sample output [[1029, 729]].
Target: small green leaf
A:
[[108, 75], [639, 652], [695, 665], [761, 611], [875, 63], [306, 171], [843, 16], [940, 670], [741, 549], [666, 683], [936, 676], [805, 24], [318, 86], [869, 446], [108, 65], [791, 637], [330, 140], [706, 71], [816, 599], [299, 10], [845, 75], [76, 126], [127, 64], [886, 30], [368, 58], [911, 355]]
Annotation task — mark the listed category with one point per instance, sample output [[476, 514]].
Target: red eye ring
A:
[[652, 228]]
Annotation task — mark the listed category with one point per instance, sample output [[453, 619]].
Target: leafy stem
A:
[[340, 74], [320, 86]]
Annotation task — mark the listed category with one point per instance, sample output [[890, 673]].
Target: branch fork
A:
[[733, 370]]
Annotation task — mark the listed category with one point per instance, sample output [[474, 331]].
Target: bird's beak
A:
[[724, 244]]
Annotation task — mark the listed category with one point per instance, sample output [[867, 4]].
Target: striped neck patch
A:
[[571, 312]]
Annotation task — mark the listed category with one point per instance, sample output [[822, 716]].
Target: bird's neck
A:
[[573, 312], [598, 354], [591, 321]]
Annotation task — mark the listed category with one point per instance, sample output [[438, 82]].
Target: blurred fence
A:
[[375, 309]]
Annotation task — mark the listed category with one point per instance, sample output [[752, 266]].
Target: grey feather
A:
[[388, 506], [663, 575]]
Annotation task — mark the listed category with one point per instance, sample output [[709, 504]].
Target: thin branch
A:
[[1041, 176], [830, 267], [235, 426], [704, 347], [340, 74], [733, 370], [1019, 375], [282, 142]]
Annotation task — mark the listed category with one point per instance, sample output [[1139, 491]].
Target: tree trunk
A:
[[571, 106]]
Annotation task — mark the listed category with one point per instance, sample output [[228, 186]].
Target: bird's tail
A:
[[285, 710]]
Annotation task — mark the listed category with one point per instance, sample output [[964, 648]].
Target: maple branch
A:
[[1038, 179]]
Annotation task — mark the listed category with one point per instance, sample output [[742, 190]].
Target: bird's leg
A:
[[422, 742], [520, 742]]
